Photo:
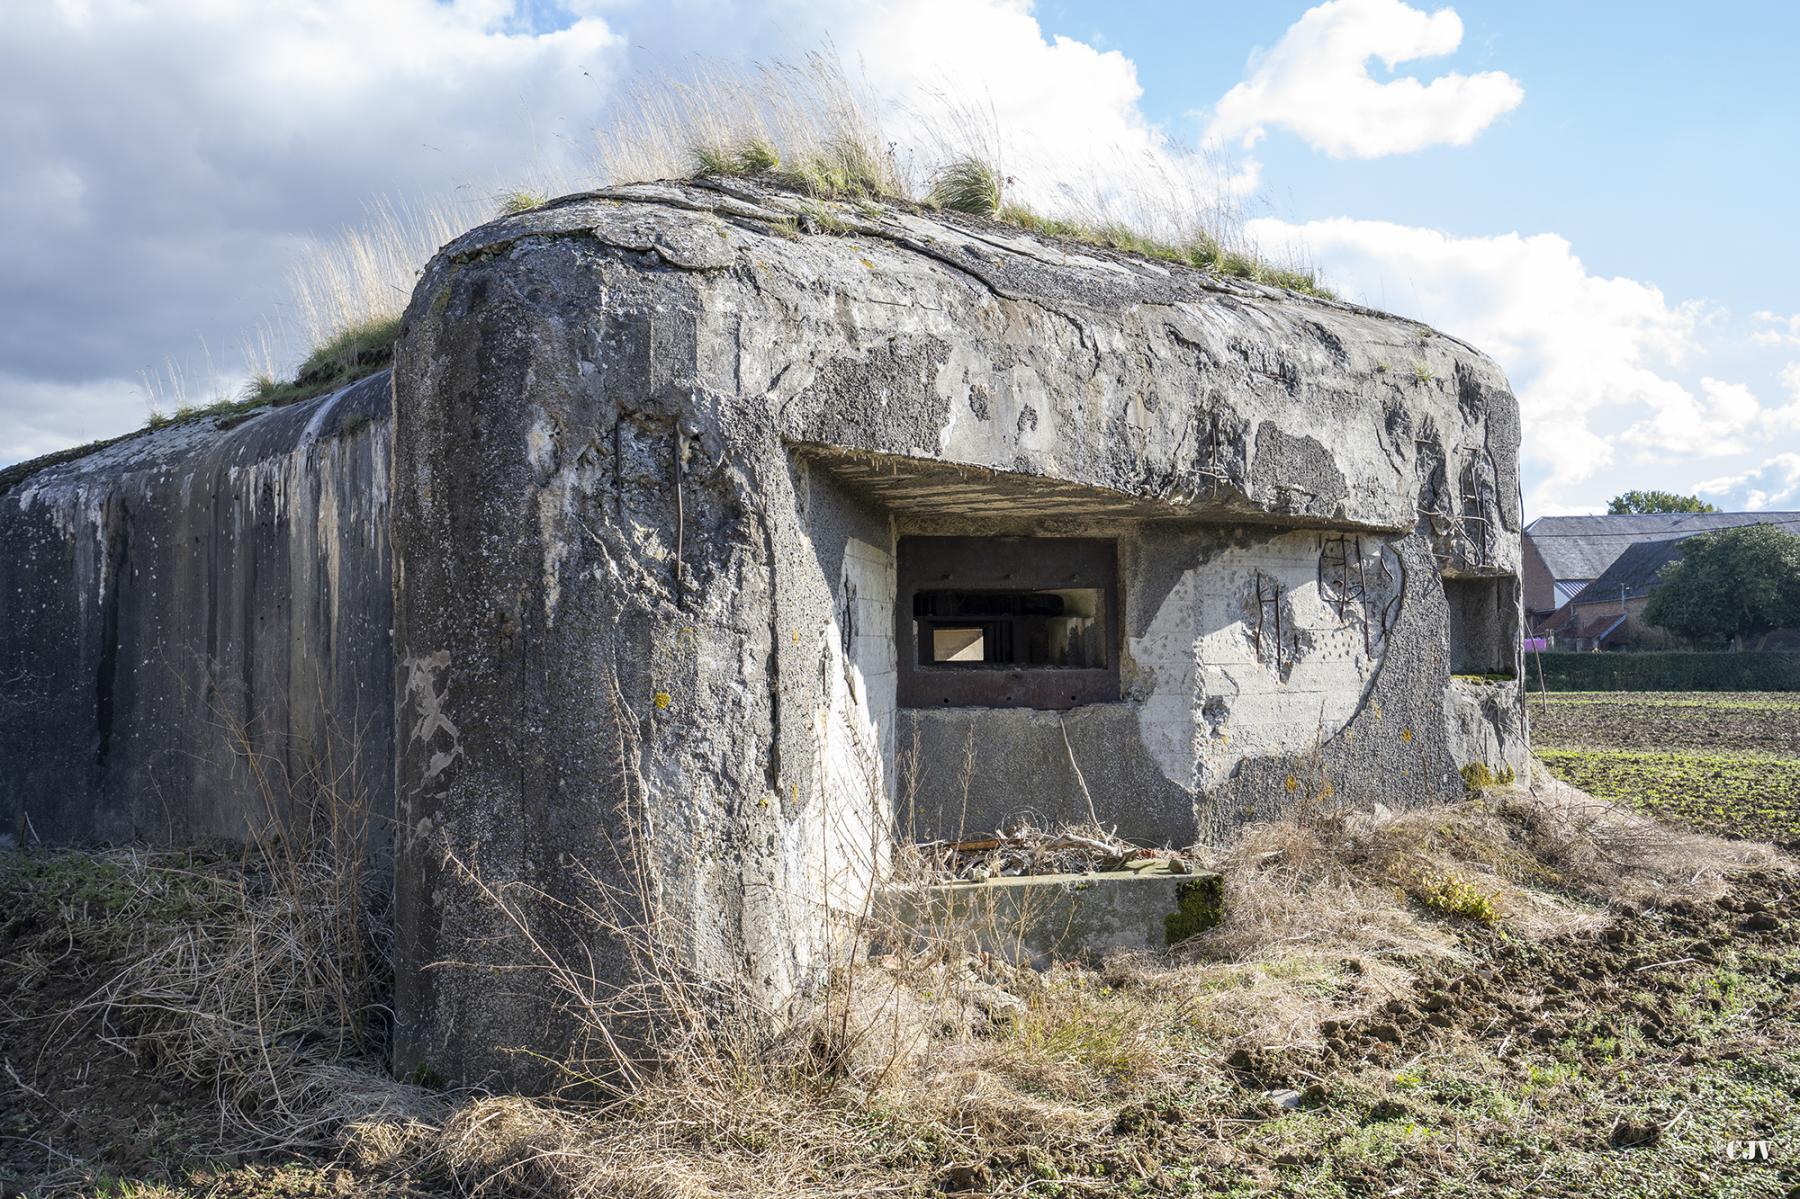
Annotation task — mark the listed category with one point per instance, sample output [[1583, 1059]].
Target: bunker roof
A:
[[936, 339], [1113, 372]]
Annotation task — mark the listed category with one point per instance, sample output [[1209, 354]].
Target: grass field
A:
[[1725, 762]]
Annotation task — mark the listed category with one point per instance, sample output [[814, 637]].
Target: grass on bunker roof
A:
[[348, 355], [811, 128], [807, 127], [1631, 1013]]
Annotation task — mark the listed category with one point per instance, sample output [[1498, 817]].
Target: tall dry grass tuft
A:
[[815, 128], [812, 126], [809, 124], [970, 185], [261, 973], [364, 275], [346, 296]]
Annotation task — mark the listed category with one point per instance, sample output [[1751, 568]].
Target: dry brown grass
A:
[[1612, 853], [222, 973], [931, 1055], [907, 1064], [260, 972], [811, 125], [364, 275]]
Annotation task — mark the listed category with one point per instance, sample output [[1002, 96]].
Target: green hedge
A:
[[1668, 671]]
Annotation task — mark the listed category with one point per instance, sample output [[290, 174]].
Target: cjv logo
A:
[[1747, 1151]]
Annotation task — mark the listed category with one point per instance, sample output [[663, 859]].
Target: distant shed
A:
[[1563, 554]]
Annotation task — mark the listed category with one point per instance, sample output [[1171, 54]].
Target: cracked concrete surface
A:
[[765, 394]]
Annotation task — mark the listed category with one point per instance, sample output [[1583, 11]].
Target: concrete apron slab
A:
[[1039, 919]]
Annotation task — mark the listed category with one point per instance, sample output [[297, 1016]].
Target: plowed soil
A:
[[1759, 722]]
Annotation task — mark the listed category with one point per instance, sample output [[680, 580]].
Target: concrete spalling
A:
[[706, 540]]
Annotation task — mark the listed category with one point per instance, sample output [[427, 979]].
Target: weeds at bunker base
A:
[[1632, 1022]]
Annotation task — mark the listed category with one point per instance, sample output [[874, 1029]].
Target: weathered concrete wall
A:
[[1234, 648], [652, 455], [171, 588], [655, 448]]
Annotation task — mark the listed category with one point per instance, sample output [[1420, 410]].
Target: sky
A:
[[1598, 194]]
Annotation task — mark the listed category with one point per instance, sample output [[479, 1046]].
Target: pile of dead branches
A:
[[1024, 850]]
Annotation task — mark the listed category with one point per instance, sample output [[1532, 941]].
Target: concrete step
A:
[[1045, 918]]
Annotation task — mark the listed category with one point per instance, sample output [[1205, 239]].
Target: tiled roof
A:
[[1582, 547], [1600, 625], [1634, 571]]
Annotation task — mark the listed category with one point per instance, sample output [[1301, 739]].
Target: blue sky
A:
[[1658, 138], [1598, 194], [1655, 138]]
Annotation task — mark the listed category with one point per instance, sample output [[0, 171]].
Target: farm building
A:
[[1608, 612], [705, 540], [1604, 609], [1564, 554]]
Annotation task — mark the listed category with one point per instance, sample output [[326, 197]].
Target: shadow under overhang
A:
[[927, 487]]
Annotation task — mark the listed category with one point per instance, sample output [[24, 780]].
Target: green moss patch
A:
[[1478, 776], [1199, 907]]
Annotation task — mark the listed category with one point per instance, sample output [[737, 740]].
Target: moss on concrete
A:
[[1477, 776], [1199, 907]]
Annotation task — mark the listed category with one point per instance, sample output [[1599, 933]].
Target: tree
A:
[[1655, 501], [1733, 585]]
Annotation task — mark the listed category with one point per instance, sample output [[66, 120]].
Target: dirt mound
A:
[[1591, 986]]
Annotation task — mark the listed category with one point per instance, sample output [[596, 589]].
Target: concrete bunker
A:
[[653, 505]]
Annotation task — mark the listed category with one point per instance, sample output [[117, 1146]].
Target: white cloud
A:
[[1775, 329], [1786, 419], [1066, 114], [1711, 426], [42, 415], [168, 163], [1728, 419], [1572, 343], [1776, 481], [1316, 82]]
